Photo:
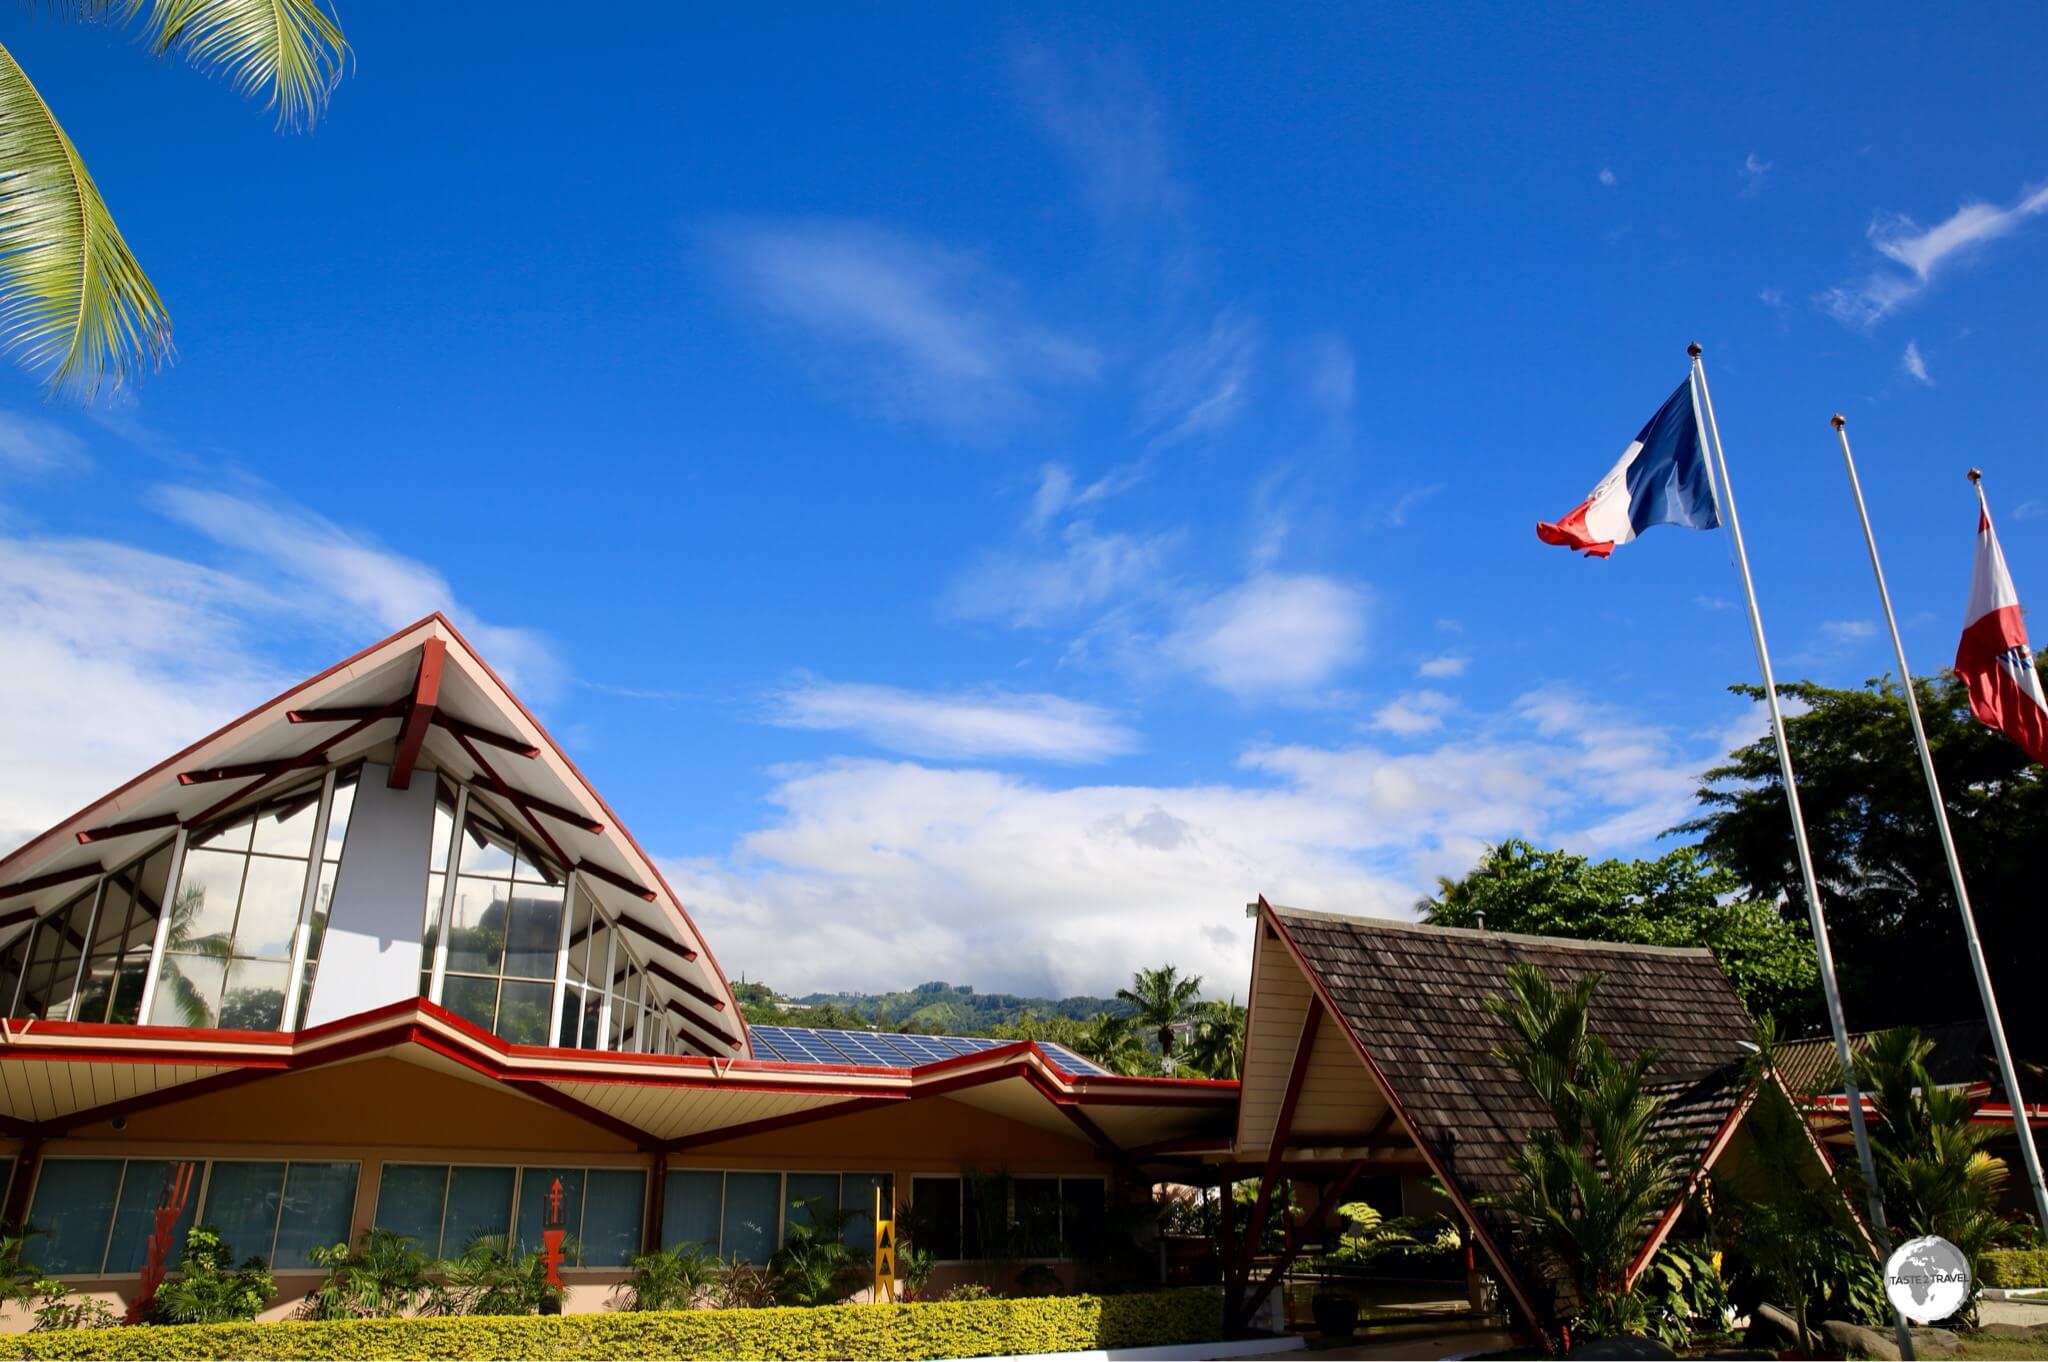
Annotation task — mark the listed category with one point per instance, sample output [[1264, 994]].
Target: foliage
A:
[[490, 1277], [1787, 1228], [386, 1276], [1163, 1000], [1682, 1294], [814, 1266], [969, 1291], [1375, 1242], [1589, 1188], [916, 1265], [1216, 1044], [916, 1330], [2011, 1268], [1680, 899], [1931, 1164], [1111, 1041], [74, 301], [59, 1309], [667, 1279], [206, 1290], [932, 1008], [737, 1285], [1891, 911]]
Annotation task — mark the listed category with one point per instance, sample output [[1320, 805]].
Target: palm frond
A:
[[292, 48], [74, 303]]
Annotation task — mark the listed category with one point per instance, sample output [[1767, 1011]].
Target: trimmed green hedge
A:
[[2015, 1267], [924, 1329]]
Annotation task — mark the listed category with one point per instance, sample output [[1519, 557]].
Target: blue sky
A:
[[987, 491]]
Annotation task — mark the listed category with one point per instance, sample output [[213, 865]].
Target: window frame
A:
[[1010, 1207], [782, 1177], [519, 1172]]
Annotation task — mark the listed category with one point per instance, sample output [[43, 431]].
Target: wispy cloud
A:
[[2028, 510], [1915, 364], [1397, 515], [1273, 634], [1847, 631], [988, 723], [1921, 254], [916, 329], [1105, 118], [32, 444], [1201, 384], [1087, 569], [1753, 172], [1443, 667], [1415, 713], [1608, 177]]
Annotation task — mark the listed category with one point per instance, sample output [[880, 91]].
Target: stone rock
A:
[[1770, 1324], [1854, 1340]]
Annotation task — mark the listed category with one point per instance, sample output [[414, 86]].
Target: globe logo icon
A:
[[1927, 1279]]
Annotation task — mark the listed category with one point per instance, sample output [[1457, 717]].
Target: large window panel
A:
[[71, 1214], [188, 991], [749, 1228], [614, 1200], [1035, 1210], [535, 1184], [254, 998], [479, 1204], [504, 923], [935, 1206], [319, 1205], [410, 1200], [473, 1000], [857, 1200], [523, 1012], [142, 1190], [804, 1196], [693, 1211], [339, 810], [54, 952], [122, 938], [1083, 1211], [242, 1202]]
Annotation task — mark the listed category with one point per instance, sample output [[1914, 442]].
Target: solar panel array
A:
[[887, 1049]]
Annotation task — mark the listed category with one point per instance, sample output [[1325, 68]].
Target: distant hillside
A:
[[934, 1007]]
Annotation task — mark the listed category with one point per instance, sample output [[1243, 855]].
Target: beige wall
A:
[[382, 1110]]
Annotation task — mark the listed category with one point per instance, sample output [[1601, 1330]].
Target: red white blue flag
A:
[[1662, 478], [1993, 659]]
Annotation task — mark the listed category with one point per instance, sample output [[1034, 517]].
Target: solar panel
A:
[[890, 1050]]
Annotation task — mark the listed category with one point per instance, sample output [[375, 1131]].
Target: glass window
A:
[[536, 1191], [54, 953], [242, 1202], [1083, 1202], [523, 1012], [254, 999], [479, 1203], [614, 1201], [319, 1205], [504, 923], [806, 1194], [71, 1213], [144, 1188], [410, 1199], [437, 862], [339, 809], [473, 1000], [748, 1231], [857, 1200], [1035, 1210], [693, 1211], [935, 1205]]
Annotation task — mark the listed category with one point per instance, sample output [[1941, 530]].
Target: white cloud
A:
[[1087, 570], [1914, 364], [1771, 297], [1753, 171], [923, 331], [1417, 712], [1847, 631], [1922, 253], [1103, 115], [1331, 372], [1397, 517], [31, 444], [1439, 668], [1073, 887], [1713, 602], [1273, 634], [1059, 494], [1201, 384], [1607, 177], [2027, 510], [990, 723]]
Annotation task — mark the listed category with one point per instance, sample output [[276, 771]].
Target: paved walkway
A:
[[1427, 1340], [2031, 1314]]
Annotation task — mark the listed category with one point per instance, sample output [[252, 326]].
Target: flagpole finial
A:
[[1694, 350], [1837, 421], [1976, 476]]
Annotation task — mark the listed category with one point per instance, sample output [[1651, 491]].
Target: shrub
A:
[[490, 1278], [386, 1276], [206, 1290], [816, 1267], [666, 1279], [921, 1330], [740, 1285], [2010, 1268]]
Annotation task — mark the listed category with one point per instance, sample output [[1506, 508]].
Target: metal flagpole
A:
[[1857, 1126]]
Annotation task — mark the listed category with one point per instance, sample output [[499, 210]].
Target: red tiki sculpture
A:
[[553, 1233], [169, 1206]]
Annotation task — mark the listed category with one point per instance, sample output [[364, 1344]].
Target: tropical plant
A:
[[207, 1290], [916, 1265], [1932, 1167], [384, 1276], [20, 1279], [1373, 1241], [667, 1279], [75, 304], [1683, 1294], [1216, 1044], [814, 1265], [1589, 1189], [490, 1277], [57, 1308], [738, 1285], [1164, 1001], [1114, 1042]]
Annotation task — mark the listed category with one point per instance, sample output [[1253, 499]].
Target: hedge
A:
[[2015, 1267], [923, 1329]]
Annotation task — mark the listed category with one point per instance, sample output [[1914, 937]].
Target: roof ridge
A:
[[1575, 942]]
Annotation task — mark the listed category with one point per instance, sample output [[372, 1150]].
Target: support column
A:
[[26, 1161], [657, 1202]]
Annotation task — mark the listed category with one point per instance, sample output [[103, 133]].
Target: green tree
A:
[[385, 1275], [1163, 1001], [1679, 899], [75, 304], [1591, 1185], [667, 1279], [1883, 879], [1216, 1045], [207, 1290]]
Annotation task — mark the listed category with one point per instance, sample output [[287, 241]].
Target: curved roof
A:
[[377, 704]]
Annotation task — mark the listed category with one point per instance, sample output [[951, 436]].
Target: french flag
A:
[[1662, 478], [1993, 659]]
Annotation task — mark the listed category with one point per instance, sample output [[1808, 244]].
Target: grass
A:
[[2030, 1346]]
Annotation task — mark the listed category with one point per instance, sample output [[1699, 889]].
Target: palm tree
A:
[[74, 302], [1164, 1001], [1114, 1043], [1216, 1047]]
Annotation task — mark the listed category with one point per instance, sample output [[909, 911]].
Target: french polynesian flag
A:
[[1993, 659], [1662, 478]]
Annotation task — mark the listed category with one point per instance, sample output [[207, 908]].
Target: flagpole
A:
[[1815, 918]]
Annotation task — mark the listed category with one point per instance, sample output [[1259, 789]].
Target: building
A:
[[377, 955]]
